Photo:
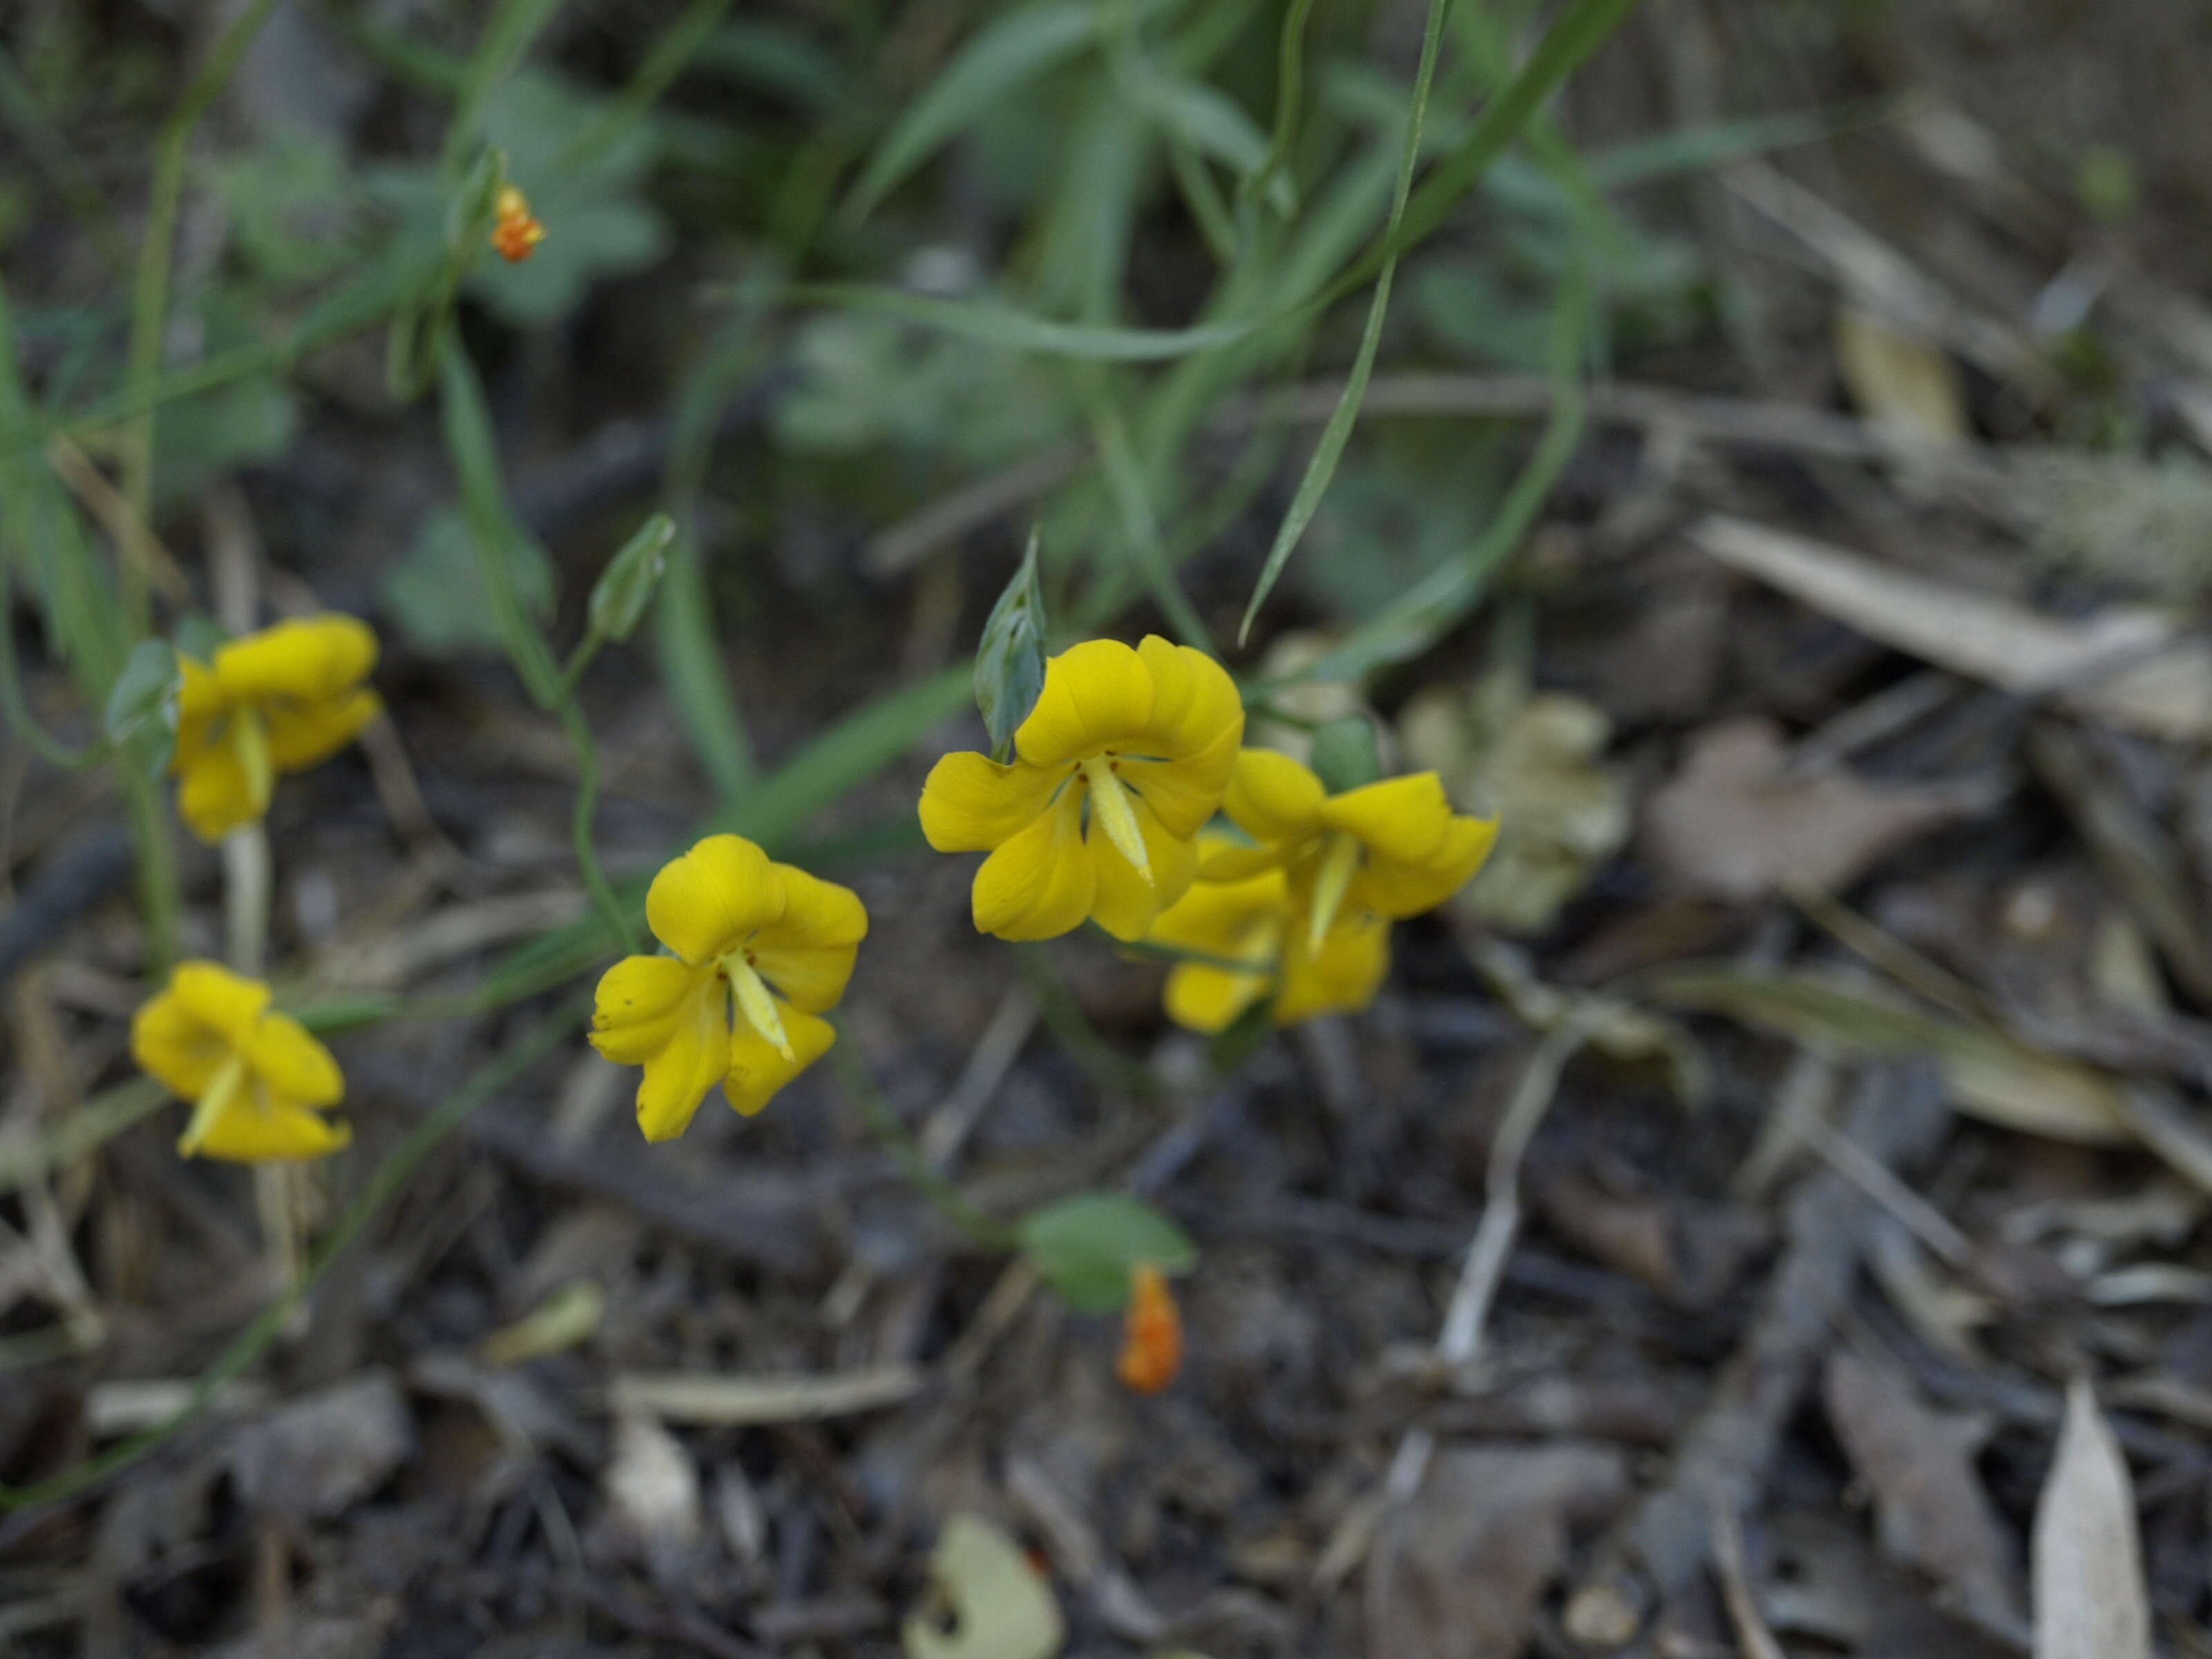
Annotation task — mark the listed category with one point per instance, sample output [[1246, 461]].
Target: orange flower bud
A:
[[517, 233], [1151, 1340]]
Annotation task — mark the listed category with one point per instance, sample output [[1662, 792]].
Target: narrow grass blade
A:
[[1581, 29], [1329, 450], [994, 324], [1015, 49]]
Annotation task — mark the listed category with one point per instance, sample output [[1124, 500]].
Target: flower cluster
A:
[[256, 1080], [758, 951], [277, 700], [1103, 816]]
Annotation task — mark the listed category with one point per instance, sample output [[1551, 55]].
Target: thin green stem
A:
[[160, 899], [255, 1340], [1063, 1016], [985, 1231], [149, 297], [579, 823]]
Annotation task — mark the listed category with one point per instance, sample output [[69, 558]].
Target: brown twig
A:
[[1897, 1117]]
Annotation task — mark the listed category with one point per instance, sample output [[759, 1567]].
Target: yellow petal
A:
[[1234, 919], [1343, 975], [1403, 819], [703, 905], [1272, 798], [677, 1078], [1194, 700], [1390, 888], [1207, 1000], [1243, 921], [1041, 884], [215, 794], [1220, 859], [1126, 903], [302, 733], [1096, 693], [971, 803], [182, 1036], [806, 954], [755, 1071], [639, 1003], [285, 1059], [223, 1001], [201, 703], [313, 658], [256, 1129], [1185, 793]]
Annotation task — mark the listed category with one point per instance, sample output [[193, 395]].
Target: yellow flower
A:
[[277, 700], [256, 1079], [516, 232], [1392, 849], [1255, 918], [759, 950], [1124, 758]]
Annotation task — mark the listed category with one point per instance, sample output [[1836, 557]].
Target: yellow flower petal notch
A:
[[1254, 919], [759, 950], [277, 700], [257, 1080], [1390, 849], [1125, 757]]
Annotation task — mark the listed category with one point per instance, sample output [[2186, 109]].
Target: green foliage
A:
[[870, 382], [142, 706], [1009, 656], [295, 207], [1343, 755], [1086, 1246], [627, 586], [437, 594]]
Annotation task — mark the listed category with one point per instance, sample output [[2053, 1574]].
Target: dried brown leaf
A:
[[1457, 1572], [1930, 1506], [2124, 665], [2090, 1600], [1736, 823]]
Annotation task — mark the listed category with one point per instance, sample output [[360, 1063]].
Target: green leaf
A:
[[437, 591], [199, 636], [626, 586], [1085, 1247], [1017, 48], [1333, 436], [1010, 657], [142, 702], [1343, 755], [994, 323]]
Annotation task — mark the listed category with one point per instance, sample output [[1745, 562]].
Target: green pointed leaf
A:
[[1010, 657], [626, 586], [1015, 49], [994, 323], [1084, 1247], [142, 701]]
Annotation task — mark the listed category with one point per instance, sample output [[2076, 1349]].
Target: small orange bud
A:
[[517, 232], [1152, 1334]]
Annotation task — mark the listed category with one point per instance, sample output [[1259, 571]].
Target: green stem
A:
[[159, 898], [987, 1232], [149, 297], [579, 823], [255, 1340], [1108, 1066]]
